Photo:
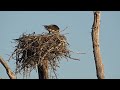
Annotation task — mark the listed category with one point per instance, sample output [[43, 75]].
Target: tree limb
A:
[[43, 70], [96, 46], [8, 70]]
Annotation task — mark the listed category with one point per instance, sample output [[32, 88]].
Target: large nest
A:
[[32, 50]]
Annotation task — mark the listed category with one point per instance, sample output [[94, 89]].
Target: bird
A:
[[52, 28]]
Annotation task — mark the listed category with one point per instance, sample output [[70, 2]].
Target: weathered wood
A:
[[8, 70], [96, 46]]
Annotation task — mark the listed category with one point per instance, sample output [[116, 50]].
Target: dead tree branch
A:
[[96, 45], [8, 70]]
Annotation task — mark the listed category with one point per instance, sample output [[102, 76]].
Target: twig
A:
[[12, 55], [64, 29], [77, 52], [73, 58], [53, 69]]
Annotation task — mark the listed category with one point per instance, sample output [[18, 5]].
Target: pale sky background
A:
[[79, 23]]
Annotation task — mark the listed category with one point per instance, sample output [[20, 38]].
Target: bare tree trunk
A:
[[43, 70], [96, 46], [8, 70]]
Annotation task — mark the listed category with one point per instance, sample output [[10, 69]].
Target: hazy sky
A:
[[79, 23]]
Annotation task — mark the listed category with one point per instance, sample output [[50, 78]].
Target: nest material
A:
[[32, 50]]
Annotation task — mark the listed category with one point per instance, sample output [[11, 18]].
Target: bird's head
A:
[[52, 28]]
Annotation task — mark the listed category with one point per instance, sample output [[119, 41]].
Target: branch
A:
[[8, 70], [43, 70], [96, 45]]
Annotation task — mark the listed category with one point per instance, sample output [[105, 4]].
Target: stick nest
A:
[[32, 50]]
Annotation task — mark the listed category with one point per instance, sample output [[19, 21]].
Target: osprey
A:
[[52, 28]]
